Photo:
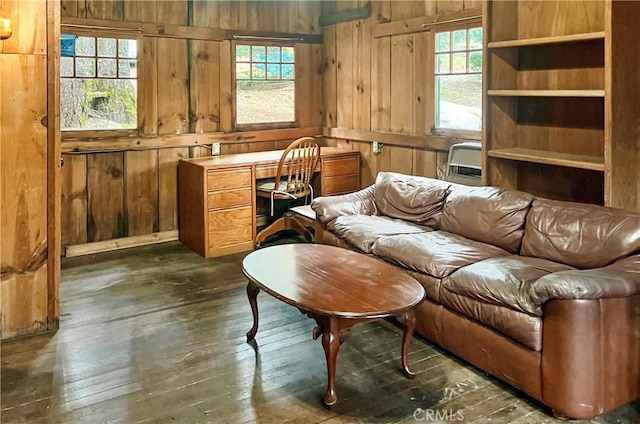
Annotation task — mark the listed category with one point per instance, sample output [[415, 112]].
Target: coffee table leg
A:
[[331, 344], [252, 294], [408, 319]]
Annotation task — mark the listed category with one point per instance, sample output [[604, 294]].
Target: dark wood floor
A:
[[156, 334]]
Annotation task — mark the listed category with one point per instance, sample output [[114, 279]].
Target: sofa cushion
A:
[[413, 199], [431, 284], [580, 235], [487, 214], [503, 281], [363, 230], [435, 253], [523, 328]]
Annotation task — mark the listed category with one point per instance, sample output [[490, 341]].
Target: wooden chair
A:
[[293, 181]]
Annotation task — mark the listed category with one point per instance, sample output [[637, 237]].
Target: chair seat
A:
[[269, 185]]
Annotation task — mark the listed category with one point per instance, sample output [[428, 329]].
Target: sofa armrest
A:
[[356, 203], [621, 279]]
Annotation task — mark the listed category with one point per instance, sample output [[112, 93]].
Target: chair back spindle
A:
[[298, 164]]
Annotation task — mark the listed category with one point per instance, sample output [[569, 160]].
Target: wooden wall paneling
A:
[[254, 18], [345, 5], [329, 77], [266, 14], [23, 187], [226, 88], [286, 16], [381, 12], [105, 193], [238, 15], [402, 87], [362, 70], [74, 199], [141, 192], [199, 151], [173, 97], [140, 11], [69, 8], [423, 89], [381, 84], [369, 165], [105, 9], [148, 83], [28, 23], [206, 13], [224, 13], [344, 78], [316, 86], [23, 300], [403, 9], [172, 12], [472, 4], [204, 96], [446, 6], [425, 163], [559, 17], [233, 148], [308, 16], [168, 186], [82, 8], [304, 84]]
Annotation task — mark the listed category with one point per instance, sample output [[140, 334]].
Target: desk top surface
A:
[[269, 156]]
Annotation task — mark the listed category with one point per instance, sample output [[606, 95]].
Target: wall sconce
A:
[[5, 28]]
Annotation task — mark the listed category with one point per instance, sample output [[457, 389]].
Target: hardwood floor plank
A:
[[157, 334]]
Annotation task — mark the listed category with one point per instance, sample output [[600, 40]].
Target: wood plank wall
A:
[[384, 83], [109, 194], [25, 147]]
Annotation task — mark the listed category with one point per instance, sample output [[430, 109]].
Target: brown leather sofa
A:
[[543, 294]]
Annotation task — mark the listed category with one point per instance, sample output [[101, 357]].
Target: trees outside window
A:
[[265, 84], [459, 79], [98, 83]]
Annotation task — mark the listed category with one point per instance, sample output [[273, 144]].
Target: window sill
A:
[[458, 134]]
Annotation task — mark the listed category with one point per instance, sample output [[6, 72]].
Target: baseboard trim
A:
[[121, 243]]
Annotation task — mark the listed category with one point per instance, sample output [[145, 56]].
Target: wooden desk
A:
[[217, 195]]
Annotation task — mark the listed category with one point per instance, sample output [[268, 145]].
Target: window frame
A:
[[93, 133], [467, 25], [256, 126]]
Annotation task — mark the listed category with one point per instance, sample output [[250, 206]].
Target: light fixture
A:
[[5, 28]]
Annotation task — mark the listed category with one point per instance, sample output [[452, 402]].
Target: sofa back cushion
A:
[[411, 198], [487, 214], [580, 235]]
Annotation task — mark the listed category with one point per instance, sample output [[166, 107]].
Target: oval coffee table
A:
[[338, 288]]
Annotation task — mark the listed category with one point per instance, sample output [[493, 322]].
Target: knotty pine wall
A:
[[385, 83], [29, 155], [118, 188]]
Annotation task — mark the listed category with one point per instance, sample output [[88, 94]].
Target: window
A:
[[459, 79], [98, 83], [265, 84]]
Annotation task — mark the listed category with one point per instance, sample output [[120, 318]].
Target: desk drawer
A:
[[227, 198], [340, 184], [230, 226], [228, 178], [342, 166]]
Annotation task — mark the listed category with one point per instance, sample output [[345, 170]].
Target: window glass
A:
[[265, 84], [98, 84], [459, 79]]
